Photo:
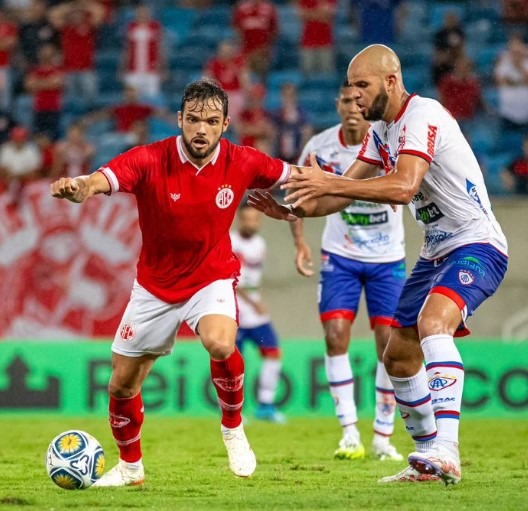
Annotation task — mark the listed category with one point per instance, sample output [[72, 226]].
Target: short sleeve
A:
[[125, 171], [304, 159], [267, 172], [369, 152], [420, 136]]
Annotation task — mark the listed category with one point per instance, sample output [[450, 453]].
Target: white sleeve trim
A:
[[284, 176], [112, 179]]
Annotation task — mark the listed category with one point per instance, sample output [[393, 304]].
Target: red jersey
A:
[[47, 100], [257, 23], [185, 212], [144, 46], [78, 46], [127, 115], [316, 33], [227, 73], [7, 30]]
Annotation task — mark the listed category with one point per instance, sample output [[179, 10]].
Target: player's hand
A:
[[308, 183], [303, 260], [265, 203], [72, 189]]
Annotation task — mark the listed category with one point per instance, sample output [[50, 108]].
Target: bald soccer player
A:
[[462, 261]]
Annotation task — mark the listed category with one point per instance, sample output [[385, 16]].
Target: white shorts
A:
[[149, 325]]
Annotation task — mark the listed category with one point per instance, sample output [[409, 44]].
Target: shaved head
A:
[[378, 59], [376, 79]]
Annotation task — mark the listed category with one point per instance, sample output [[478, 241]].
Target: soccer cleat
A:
[[439, 461], [350, 448], [409, 475], [121, 475], [269, 413], [242, 461], [385, 452]]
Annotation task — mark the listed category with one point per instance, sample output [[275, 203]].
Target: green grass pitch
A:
[[186, 469]]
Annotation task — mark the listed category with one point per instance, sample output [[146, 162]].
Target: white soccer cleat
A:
[[409, 475], [242, 461], [384, 452], [350, 448], [121, 475], [439, 461]]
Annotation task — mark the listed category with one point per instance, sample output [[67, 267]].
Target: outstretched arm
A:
[[397, 187], [80, 188]]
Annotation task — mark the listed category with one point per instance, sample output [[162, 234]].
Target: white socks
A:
[[341, 381], [385, 404], [414, 401], [269, 380], [445, 373]]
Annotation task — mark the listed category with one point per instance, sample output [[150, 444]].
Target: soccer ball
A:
[[75, 460]]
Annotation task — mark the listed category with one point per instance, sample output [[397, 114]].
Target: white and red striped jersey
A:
[[452, 204], [251, 252], [364, 231]]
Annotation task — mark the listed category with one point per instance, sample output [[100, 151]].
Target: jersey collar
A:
[[184, 159], [404, 107]]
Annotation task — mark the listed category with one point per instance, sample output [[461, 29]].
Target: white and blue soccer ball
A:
[[75, 460]]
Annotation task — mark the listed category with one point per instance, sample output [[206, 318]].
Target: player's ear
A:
[[180, 119], [390, 82], [227, 121]]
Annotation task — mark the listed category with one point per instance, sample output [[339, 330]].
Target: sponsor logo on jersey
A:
[[175, 196], [431, 139], [224, 197], [441, 381], [473, 193], [436, 236], [429, 213], [127, 332], [465, 277], [364, 219], [377, 241]]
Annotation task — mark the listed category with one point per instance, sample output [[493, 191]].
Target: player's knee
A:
[[219, 347], [119, 389], [336, 340]]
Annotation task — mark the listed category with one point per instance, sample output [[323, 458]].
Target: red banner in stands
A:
[[65, 269]]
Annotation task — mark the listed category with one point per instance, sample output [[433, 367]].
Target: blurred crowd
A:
[[84, 79]]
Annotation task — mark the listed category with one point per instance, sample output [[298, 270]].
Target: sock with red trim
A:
[[228, 379], [414, 401], [385, 403], [126, 418], [341, 380], [445, 372]]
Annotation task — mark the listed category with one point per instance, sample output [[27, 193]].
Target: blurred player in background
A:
[[362, 248], [253, 320], [462, 262], [187, 190]]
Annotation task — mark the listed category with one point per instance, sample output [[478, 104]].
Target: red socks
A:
[[126, 418], [228, 379]]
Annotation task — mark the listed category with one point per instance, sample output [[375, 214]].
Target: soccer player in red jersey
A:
[[187, 189]]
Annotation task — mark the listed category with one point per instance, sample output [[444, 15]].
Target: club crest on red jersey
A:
[[224, 197]]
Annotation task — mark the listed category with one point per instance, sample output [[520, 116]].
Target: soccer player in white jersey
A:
[[187, 188], [462, 261], [362, 248], [254, 322]]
